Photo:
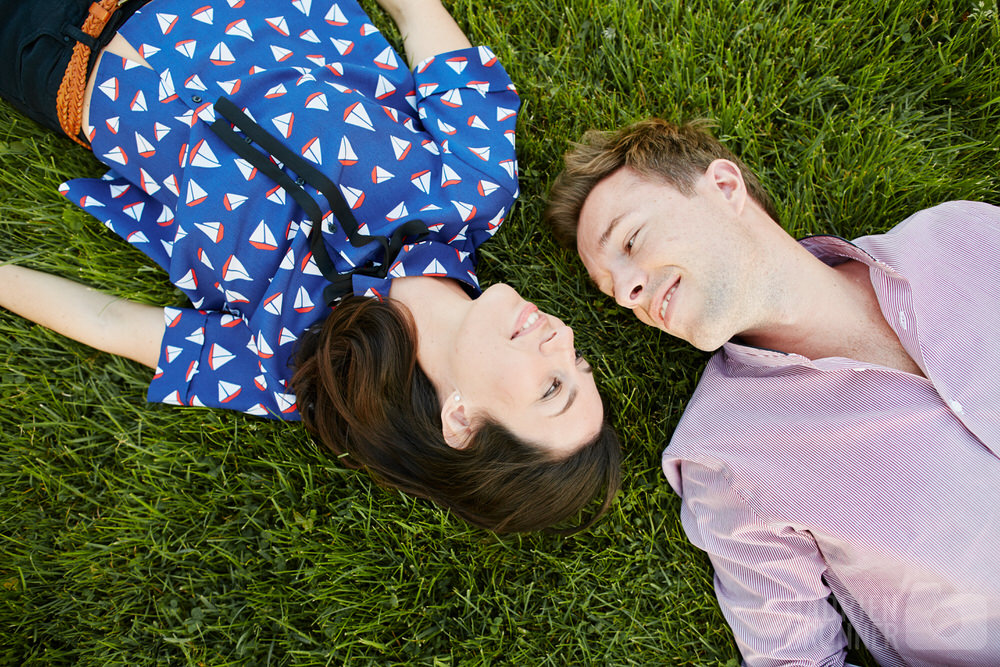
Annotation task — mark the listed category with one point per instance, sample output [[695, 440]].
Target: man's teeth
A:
[[531, 320], [666, 301]]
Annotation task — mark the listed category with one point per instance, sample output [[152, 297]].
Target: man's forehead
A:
[[600, 214], [610, 201], [591, 241]]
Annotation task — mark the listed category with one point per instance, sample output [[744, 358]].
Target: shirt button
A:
[[300, 181], [196, 99], [955, 406], [902, 320]]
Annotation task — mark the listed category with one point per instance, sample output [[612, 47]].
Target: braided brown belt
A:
[[69, 101]]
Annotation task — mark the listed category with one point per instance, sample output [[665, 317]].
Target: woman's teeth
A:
[[531, 320]]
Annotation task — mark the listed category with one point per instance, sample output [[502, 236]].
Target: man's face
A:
[[675, 261]]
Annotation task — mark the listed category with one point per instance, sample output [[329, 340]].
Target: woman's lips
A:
[[528, 319]]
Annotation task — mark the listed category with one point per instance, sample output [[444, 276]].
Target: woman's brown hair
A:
[[362, 394]]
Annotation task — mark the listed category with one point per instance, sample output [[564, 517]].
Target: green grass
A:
[[135, 534]]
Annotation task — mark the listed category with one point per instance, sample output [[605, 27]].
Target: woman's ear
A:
[[455, 424]]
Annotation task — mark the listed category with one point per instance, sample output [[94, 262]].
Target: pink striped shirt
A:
[[804, 477]]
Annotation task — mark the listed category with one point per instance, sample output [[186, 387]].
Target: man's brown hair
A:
[[653, 148]]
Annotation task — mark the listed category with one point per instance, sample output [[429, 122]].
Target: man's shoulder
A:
[[956, 220], [710, 417], [957, 211], [722, 432], [750, 405], [949, 246]]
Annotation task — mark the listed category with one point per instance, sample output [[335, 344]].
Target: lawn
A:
[[136, 534]]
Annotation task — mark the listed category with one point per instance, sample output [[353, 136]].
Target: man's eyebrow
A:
[[603, 241]]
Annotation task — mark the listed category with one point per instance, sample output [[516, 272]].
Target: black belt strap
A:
[[75, 33], [341, 284]]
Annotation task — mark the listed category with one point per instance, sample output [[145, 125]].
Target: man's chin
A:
[[704, 342]]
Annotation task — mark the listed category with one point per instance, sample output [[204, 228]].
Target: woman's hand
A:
[[427, 28], [110, 324]]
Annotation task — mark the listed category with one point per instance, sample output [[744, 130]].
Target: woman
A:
[[276, 161]]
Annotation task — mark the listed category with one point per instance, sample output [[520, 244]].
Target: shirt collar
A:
[[835, 250]]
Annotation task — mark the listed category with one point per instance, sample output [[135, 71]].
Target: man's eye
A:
[[553, 388], [630, 243]]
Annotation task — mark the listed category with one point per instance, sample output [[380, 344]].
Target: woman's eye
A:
[[553, 388]]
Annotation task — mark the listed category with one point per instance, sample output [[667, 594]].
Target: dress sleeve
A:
[[768, 581], [210, 359], [468, 106], [462, 167]]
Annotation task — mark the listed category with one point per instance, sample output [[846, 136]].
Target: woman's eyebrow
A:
[[569, 401]]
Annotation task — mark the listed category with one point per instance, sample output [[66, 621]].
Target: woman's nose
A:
[[561, 338]]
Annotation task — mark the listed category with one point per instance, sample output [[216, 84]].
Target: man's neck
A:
[[832, 312]]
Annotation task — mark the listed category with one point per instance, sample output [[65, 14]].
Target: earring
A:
[[458, 399]]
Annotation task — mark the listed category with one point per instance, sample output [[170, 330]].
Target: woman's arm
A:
[[427, 28], [110, 324]]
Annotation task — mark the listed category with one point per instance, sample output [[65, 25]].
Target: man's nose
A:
[[628, 288]]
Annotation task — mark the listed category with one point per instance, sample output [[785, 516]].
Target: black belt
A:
[[341, 284]]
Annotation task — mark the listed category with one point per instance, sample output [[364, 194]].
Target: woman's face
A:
[[519, 366]]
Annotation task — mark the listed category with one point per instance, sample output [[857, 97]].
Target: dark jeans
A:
[[35, 46], [36, 41]]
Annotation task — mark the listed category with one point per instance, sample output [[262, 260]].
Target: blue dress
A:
[[435, 145]]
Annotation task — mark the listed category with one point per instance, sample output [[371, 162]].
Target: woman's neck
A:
[[438, 307], [428, 293]]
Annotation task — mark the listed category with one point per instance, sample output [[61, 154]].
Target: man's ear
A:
[[455, 425], [727, 178]]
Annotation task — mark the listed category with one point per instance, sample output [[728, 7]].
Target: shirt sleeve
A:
[[768, 581], [210, 359]]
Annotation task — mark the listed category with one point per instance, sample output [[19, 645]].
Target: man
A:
[[845, 438]]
